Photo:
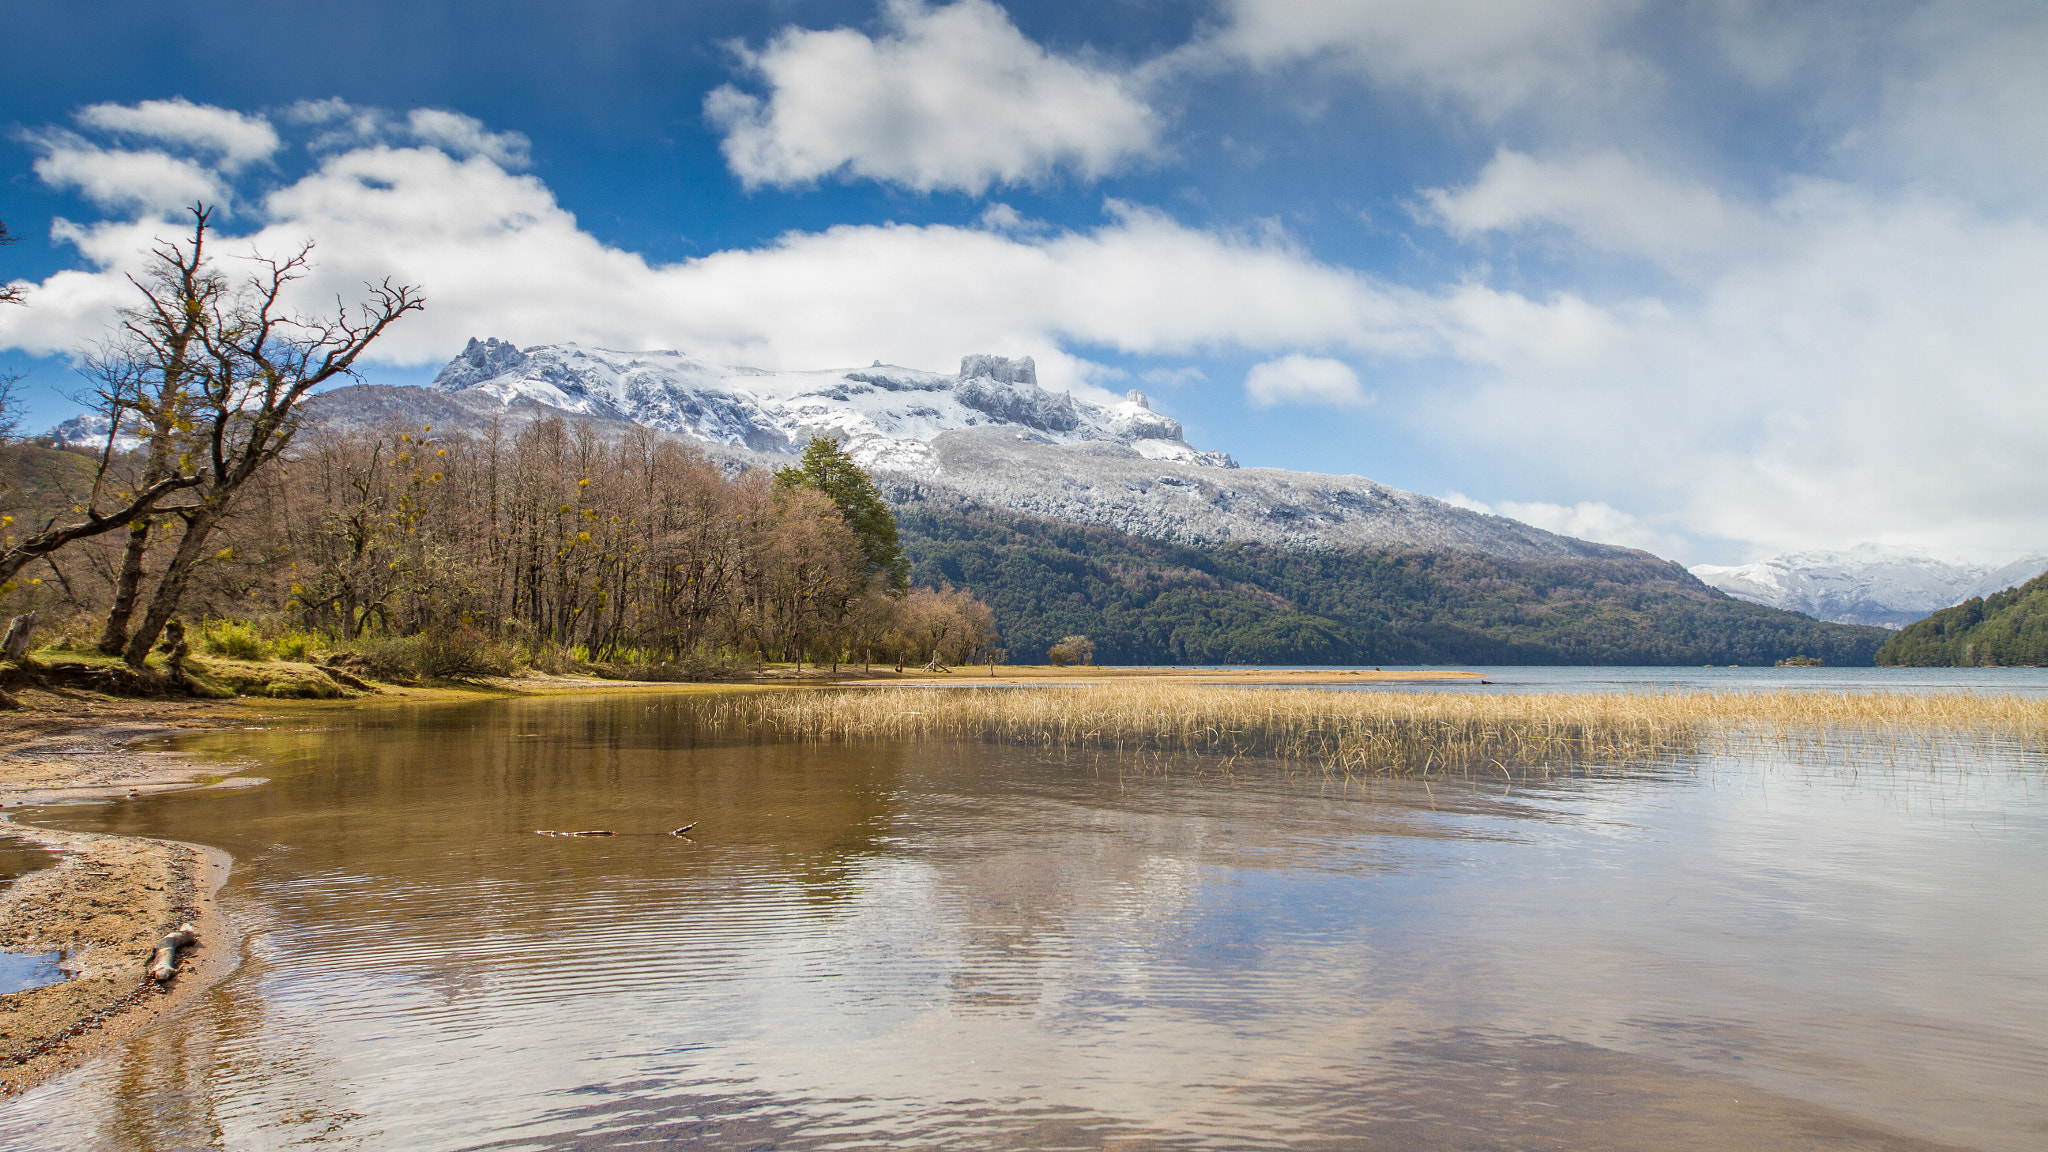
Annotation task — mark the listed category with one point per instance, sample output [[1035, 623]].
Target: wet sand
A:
[[108, 899], [106, 902]]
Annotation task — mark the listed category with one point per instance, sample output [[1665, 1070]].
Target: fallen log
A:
[[164, 960], [592, 832], [684, 828]]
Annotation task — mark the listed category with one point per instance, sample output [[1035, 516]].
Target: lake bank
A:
[[104, 904], [110, 898], [107, 899]]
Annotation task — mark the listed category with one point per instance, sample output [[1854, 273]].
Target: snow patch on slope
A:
[[887, 416], [1888, 585]]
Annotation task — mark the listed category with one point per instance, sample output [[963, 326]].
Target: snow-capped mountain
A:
[[1117, 487], [987, 436], [1881, 584], [89, 430], [886, 416]]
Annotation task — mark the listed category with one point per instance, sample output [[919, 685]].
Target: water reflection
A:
[[937, 946]]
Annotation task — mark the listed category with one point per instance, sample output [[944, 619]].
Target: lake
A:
[[972, 946]]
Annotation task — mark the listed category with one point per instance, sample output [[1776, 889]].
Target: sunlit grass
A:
[[1377, 734]]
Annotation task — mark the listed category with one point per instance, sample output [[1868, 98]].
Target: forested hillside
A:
[[1145, 601], [2006, 630]]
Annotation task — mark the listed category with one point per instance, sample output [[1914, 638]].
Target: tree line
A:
[[548, 538], [2008, 629], [1149, 601]]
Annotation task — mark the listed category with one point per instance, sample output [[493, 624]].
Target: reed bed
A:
[[1387, 734]]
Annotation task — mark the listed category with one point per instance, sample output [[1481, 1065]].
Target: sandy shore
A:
[[106, 903], [109, 898]]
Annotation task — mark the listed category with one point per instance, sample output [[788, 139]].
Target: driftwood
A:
[[164, 960], [684, 828]]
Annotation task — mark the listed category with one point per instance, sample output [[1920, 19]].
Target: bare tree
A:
[[10, 407], [137, 500], [148, 379], [10, 293], [10, 386], [255, 362]]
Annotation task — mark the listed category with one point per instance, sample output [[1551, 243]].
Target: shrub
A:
[[296, 645], [236, 641], [552, 659], [458, 653], [1072, 650]]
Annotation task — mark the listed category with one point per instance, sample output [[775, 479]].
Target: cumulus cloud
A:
[[1799, 394], [497, 254], [953, 97], [119, 180], [467, 136], [1181, 377], [1298, 379], [1974, 118], [234, 139], [1604, 199], [1490, 56], [1829, 342], [1587, 520]]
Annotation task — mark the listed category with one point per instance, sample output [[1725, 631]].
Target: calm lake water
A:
[[938, 946]]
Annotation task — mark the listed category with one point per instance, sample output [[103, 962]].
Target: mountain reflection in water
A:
[[947, 946]]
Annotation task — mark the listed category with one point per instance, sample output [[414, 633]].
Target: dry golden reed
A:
[[1370, 733]]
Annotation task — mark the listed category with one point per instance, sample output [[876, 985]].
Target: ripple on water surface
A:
[[942, 946]]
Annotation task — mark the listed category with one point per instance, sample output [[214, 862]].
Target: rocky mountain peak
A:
[[1022, 370], [887, 415], [479, 360]]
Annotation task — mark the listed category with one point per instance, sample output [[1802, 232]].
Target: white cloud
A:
[[1490, 56], [466, 136], [1586, 520], [953, 97], [1862, 366], [497, 255], [1298, 379], [1840, 365], [121, 181], [1974, 118], [234, 139], [1604, 198]]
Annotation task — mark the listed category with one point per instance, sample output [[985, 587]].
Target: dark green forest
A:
[[1151, 602], [2006, 630]]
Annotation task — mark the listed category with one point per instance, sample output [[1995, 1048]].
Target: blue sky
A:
[[1717, 279]]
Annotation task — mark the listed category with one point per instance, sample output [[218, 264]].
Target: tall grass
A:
[[1376, 734]]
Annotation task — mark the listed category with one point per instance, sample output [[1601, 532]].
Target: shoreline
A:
[[109, 898], [106, 902]]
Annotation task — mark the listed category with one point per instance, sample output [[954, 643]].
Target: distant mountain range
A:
[[1889, 586], [988, 434], [1070, 516]]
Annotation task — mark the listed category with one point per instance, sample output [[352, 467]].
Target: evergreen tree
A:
[[827, 468]]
